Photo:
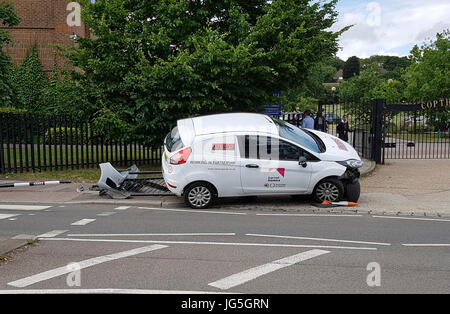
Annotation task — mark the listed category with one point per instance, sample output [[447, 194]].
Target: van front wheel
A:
[[199, 195], [330, 189]]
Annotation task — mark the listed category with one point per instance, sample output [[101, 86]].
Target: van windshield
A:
[[173, 140], [299, 136]]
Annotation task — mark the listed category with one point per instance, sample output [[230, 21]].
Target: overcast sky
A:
[[389, 27]]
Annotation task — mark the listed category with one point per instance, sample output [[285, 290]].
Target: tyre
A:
[[329, 189], [353, 191], [200, 195]]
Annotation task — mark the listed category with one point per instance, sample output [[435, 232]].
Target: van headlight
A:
[[352, 163]]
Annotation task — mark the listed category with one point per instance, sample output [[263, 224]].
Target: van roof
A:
[[233, 122]]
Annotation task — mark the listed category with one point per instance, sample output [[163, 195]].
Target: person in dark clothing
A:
[[320, 123], [342, 129]]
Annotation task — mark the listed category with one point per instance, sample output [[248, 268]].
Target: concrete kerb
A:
[[8, 244]]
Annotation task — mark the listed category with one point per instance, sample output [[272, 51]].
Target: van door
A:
[[270, 166]]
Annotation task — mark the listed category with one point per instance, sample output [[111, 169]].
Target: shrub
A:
[[58, 135]]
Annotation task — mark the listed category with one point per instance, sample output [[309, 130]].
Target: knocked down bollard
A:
[[20, 184]]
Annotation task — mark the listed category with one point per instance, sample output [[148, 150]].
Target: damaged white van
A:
[[249, 154]]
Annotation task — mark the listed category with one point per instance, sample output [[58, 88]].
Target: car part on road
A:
[[341, 203], [22, 184], [125, 183]]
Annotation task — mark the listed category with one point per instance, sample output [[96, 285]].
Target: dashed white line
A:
[[309, 215], [122, 207], [23, 207], [103, 291], [410, 218], [5, 216], [315, 239], [106, 214], [428, 245], [82, 264], [52, 234], [215, 243], [82, 222], [255, 272], [193, 211], [146, 234]]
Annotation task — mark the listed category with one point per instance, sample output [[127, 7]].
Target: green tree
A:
[[428, 77], [29, 80], [7, 18], [358, 93], [153, 62], [62, 95], [391, 90], [351, 67]]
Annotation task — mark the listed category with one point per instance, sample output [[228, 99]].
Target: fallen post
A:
[[21, 184]]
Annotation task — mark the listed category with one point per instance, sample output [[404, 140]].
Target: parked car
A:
[[239, 154], [331, 118]]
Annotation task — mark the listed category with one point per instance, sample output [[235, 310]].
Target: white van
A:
[[243, 154]]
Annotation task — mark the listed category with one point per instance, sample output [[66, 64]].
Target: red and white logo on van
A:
[[223, 147]]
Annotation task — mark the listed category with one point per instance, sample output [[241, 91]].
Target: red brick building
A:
[[44, 22]]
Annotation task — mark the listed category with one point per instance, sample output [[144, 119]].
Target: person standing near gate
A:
[[343, 128], [320, 123], [308, 122]]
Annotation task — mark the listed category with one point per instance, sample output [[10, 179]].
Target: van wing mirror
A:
[[302, 161]]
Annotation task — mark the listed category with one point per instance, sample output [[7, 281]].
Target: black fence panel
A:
[[33, 142], [418, 131], [329, 118]]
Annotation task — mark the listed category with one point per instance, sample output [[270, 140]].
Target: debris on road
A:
[[125, 183]]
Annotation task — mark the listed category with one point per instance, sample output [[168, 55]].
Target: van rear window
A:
[[173, 140]]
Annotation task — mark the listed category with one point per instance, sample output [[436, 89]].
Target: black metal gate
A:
[[359, 119], [419, 131], [390, 131]]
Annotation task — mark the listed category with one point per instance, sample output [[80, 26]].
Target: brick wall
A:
[[43, 23]]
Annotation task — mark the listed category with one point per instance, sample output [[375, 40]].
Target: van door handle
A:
[[252, 166]]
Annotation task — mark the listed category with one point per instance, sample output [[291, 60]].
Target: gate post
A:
[[377, 129], [320, 106]]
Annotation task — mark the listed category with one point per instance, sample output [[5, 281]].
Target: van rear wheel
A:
[[200, 195], [330, 189]]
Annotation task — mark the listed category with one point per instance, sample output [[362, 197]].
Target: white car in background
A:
[[249, 154]]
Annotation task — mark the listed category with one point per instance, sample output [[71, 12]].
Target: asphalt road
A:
[[137, 249]]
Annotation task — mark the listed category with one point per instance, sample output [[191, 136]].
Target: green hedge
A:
[[60, 135]]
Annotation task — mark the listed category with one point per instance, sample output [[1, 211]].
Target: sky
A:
[[389, 27]]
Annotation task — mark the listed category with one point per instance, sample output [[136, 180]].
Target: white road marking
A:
[[310, 215], [106, 214], [83, 264], [146, 234], [12, 219], [82, 222], [5, 216], [103, 291], [315, 239], [51, 234], [215, 243], [122, 207], [23, 207], [255, 272], [193, 211], [425, 245], [410, 218]]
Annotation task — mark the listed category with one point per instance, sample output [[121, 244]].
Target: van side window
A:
[[263, 147], [254, 147]]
